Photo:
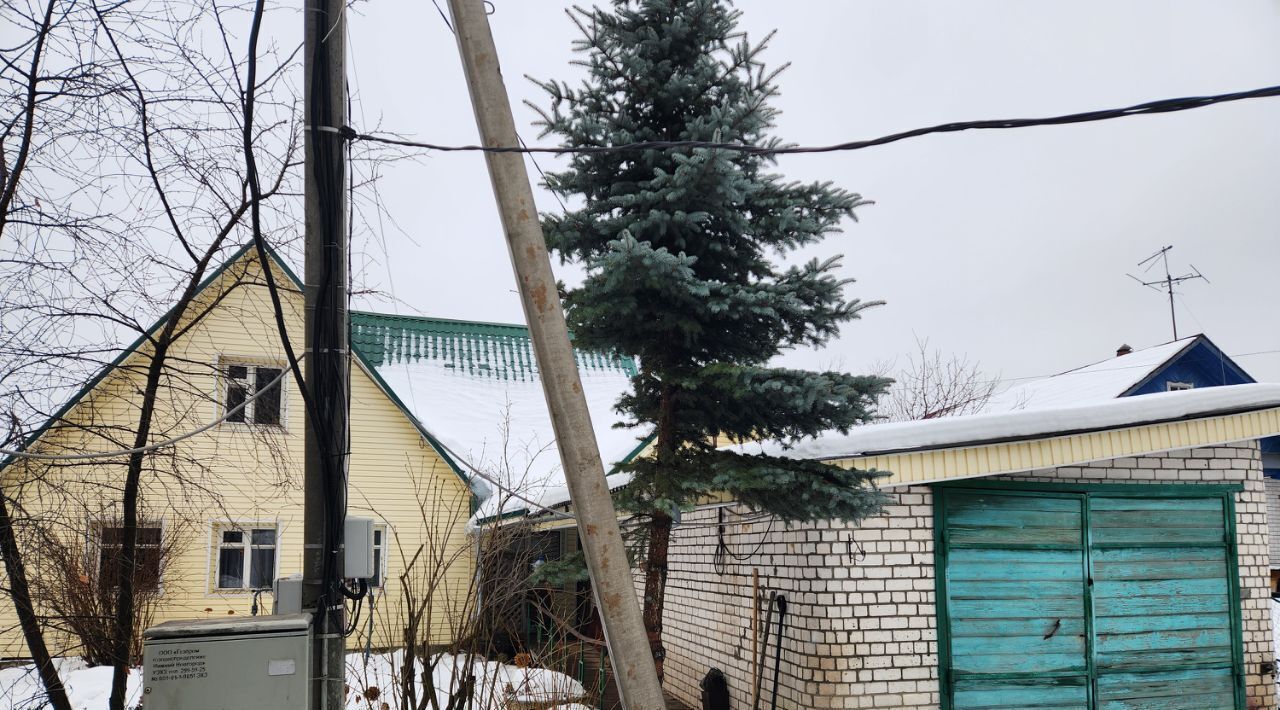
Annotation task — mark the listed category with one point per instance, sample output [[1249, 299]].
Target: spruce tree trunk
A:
[[20, 592], [655, 585], [659, 538]]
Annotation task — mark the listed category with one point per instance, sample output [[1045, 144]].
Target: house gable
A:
[[1200, 364], [230, 274]]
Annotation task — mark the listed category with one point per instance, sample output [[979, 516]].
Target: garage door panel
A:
[[1197, 689], [1156, 563], [1137, 661], [1020, 662], [1178, 622], [1132, 612], [1043, 589], [1143, 606], [974, 693], [1155, 641], [1143, 521], [1049, 609], [1068, 626], [980, 518], [1158, 607], [1168, 505], [1070, 646], [987, 565], [1124, 589]]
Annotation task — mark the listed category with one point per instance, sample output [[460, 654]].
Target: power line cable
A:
[[1150, 107]]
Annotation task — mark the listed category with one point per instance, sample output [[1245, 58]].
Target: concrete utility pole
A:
[[326, 356], [579, 454]]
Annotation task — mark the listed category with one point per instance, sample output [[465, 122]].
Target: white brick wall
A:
[[860, 625]]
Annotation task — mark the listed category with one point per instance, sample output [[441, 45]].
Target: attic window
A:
[[1178, 386], [242, 382]]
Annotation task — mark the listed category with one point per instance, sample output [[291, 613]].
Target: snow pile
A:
[[373, 685], [1090, 384], [1275, 627], [87, 688], [501, 427], [376, 681], [985, 428]]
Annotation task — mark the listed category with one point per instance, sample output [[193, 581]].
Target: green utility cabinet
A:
[[228, 664], [1092, 596]]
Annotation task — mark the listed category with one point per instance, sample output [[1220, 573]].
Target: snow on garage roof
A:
[[475, 387], [975, 429], [1098, 382]]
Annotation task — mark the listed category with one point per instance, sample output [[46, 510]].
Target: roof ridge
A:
[[476, 348], [1086, 366], [436, 319]]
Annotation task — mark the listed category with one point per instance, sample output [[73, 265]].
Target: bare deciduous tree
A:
[[124, 184], [933, 384]]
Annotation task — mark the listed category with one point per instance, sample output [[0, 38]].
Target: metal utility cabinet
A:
[[227, 664]]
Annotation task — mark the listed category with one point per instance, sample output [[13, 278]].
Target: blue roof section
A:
[[1201, 364]]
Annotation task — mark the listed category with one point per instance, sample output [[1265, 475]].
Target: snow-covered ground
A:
[[1275, 629], [87, 688], [495, 683], [372, 684]]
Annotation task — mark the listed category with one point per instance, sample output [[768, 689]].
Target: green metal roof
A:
[[488, 350]]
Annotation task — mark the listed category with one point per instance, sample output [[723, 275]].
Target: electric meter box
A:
[[357, 548], [227, 664]]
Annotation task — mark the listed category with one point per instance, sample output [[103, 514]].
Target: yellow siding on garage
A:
[[245, 473], [913, 467]]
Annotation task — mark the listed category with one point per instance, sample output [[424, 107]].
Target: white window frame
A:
[[246, 546], [380, 554], [251, 365], [96, 547], [1172, 386]]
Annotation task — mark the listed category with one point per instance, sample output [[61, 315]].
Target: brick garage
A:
[[862, 625]]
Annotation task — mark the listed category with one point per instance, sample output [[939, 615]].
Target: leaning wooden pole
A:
[[579, 454]]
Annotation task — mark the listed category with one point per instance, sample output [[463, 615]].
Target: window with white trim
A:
[[1172, 386], [241, 382], [246, 557], [379, 555]]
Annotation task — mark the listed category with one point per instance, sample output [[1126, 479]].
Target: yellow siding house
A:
[[222, 511]]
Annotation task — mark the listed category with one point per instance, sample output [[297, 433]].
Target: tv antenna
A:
[[1167, 283]]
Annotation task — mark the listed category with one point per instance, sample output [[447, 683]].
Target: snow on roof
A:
[[475, 387], [1039, 423], [1098, 382]]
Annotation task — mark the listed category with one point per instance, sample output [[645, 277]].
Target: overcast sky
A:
[[1010, 246]]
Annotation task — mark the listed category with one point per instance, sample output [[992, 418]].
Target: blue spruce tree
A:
[[679, 247]]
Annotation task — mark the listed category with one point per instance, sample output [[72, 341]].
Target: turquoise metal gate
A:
[[1101, 596]]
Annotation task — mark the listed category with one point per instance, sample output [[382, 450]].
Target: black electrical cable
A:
[[328, 373], [1150, 107], [358, 594], [355, 619], [720, 559]]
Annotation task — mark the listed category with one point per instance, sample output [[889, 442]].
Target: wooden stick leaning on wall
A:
[[755, 633]]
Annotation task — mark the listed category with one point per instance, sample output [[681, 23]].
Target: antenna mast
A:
[[1167, 283]]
